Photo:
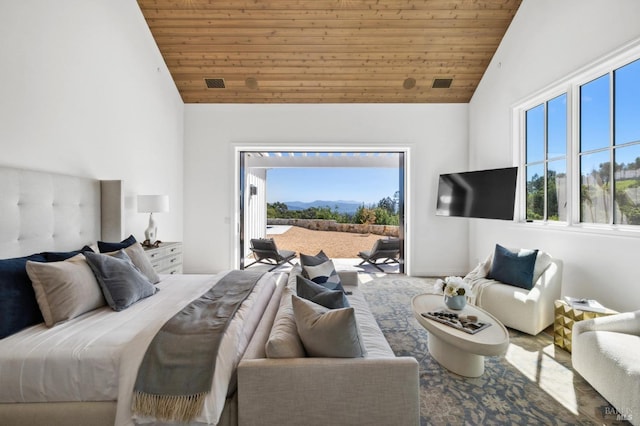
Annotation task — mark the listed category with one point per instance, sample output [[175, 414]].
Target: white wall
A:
[[85, 91], [255, 224], [548, 40], [436, 134]]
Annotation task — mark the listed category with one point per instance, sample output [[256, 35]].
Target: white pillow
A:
[[64, 290], [324, 332]]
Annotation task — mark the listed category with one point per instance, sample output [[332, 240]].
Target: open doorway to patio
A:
[[371, 181]]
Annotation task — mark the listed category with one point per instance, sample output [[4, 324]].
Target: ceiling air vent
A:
[[442, 83], [215, 83]]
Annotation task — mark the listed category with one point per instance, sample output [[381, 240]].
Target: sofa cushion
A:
[[318, 293], [324, 273], [284, 341], [64, 290], [327, 332], [375, 343], [513, 268]]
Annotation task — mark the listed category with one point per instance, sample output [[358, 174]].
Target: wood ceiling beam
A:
[[331, 4], [418, 55], [315, 15], [332, 24]]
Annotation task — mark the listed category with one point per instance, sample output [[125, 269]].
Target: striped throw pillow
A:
[[325, 274]]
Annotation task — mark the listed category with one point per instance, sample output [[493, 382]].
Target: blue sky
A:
[[595, 122], [361, 184]]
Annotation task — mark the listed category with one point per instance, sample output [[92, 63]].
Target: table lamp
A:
[[152, 204]]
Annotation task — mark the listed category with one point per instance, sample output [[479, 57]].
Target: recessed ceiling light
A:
[[251, 83], [409, 83], [442, 83]]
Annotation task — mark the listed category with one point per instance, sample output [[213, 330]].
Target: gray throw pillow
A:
[[141, 261], [121, 282], [284, 341], [309, 260], [332, 299], [331, 333]]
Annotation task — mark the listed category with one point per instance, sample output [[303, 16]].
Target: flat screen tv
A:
[[487, 194]]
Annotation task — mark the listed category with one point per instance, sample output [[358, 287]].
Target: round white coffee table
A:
[[457, 351]]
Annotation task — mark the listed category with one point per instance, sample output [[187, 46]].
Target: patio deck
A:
[[341, 247]]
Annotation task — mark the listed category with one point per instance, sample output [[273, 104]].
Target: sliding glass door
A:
[[365, 172]]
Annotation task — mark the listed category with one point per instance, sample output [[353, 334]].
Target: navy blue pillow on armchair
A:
[[511, 268], [18, 305]]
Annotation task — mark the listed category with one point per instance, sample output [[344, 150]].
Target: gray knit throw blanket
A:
[[176, 372]]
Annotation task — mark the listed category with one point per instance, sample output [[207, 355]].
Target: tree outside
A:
[[382, 213]]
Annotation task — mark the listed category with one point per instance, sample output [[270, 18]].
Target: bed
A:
[[83, 370]]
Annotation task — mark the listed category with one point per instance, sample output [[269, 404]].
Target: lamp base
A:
[[147, 244], [150, 234]]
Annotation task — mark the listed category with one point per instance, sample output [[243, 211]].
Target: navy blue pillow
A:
[[317, 293], [59, 256], [18, 305], [511, 268], [105, 247]]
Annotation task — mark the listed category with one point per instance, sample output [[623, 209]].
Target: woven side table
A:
[[565, 316]]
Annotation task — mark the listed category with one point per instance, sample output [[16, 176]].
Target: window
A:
[[610, 134], [596, 137], [546, 160]]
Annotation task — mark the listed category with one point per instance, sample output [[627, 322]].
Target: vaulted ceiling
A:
[[327, 51]]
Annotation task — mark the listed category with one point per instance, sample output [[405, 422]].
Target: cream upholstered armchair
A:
[[605, 352], [529, 310]]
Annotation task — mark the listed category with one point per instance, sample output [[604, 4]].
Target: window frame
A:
[[546, 158], [570, 86]]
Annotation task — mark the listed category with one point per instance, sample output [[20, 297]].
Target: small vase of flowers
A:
[[455, 290]]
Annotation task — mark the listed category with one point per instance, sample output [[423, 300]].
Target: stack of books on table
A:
[[586, 304]]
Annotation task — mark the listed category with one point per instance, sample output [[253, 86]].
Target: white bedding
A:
[[95, 357]]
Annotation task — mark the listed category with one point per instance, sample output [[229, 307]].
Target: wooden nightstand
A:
[[166, 259], [565, 316]]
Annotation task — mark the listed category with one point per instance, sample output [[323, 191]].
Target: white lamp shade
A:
[[153, 203]]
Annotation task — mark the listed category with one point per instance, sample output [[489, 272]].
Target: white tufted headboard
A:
[[42, 211]]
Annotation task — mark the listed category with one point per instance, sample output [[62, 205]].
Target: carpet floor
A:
[[533, 383]]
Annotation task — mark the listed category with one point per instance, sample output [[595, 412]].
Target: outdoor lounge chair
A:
[[386, 250], [265, 251]]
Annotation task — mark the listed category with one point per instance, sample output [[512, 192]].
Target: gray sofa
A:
[[379, 389]]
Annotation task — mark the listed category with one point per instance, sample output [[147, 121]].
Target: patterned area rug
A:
[[533, 383]]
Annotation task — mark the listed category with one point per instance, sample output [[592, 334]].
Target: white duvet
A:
[[95, 357]]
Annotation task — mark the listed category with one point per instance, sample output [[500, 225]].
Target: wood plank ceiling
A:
[[327, 51]]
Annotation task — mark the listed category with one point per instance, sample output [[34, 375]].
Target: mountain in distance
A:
[[341, 205]]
